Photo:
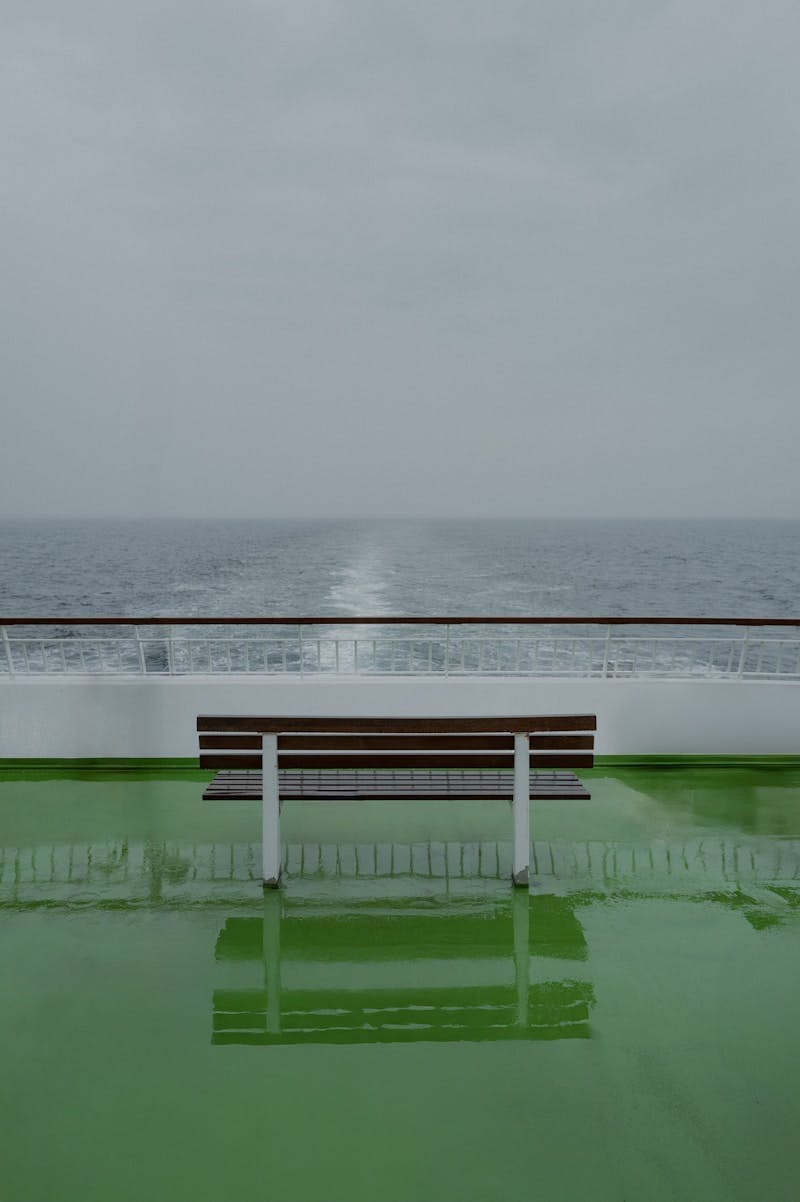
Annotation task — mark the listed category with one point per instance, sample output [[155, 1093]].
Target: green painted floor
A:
[[397, 1024]]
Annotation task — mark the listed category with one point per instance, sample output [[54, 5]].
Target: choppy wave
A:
[[253, 568]]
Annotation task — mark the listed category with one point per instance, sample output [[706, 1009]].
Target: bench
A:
[[276, 758]]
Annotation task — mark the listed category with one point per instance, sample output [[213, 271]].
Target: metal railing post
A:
[[447, 649], [7, 646], [743, 654], [170, 653], [140, 651]]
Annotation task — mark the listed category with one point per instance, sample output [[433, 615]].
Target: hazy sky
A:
[[400, 258]]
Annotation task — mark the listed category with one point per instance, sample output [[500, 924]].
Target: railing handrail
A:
[[398, 620], [568, 646]]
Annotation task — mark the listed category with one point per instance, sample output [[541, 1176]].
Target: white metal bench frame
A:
[[253, 744]]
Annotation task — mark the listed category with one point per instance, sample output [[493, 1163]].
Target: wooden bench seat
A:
[[327, 759], [365, 784]]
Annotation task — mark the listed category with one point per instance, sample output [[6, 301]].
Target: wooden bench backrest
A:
[[556, 741]]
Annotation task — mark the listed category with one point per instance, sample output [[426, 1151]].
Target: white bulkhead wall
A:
[[76, 717]]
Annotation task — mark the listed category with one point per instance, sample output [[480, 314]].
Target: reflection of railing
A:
[[153, 872], [461, 975], [584, 647]]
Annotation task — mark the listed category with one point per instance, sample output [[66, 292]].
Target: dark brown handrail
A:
[[395, 620]]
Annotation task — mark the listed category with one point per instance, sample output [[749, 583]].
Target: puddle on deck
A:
[[397, 1022]]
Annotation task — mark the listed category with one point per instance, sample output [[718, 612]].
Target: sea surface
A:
[[247, 568]]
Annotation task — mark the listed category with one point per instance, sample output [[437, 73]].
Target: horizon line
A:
[[392, 517]]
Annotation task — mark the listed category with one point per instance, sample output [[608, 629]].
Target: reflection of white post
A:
[[270, 813], [521, 914], [271, 950], [521, 809]]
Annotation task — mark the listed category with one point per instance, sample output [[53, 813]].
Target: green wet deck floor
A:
[[397, 1023]]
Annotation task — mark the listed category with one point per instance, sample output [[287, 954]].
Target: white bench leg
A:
[[521, 809], [270, 814]]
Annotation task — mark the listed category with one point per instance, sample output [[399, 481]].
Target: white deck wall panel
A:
[[73, 717]]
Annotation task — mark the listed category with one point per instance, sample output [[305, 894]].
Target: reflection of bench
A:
[[273, 759], [457, 973]]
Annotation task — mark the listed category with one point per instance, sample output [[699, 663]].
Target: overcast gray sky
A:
[[400, 258]]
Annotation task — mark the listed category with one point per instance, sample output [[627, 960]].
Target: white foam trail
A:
[[360, 588]]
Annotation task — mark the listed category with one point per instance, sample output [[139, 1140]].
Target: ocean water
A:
[[370, 568]]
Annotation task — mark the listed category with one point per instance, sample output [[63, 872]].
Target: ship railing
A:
[[157, 869], [559, 647]]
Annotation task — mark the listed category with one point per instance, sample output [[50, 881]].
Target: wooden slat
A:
[[366, 760], [232, 794], [220, 760], [562, 742], [390, 759], [403, 742], [309, 725], [363, 760], [567, 760], [231, 742]]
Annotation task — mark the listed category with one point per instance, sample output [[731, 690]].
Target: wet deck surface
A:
[[398, 1023]]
